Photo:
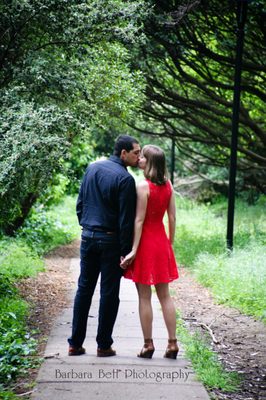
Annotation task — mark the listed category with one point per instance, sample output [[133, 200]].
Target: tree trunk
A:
[[10, 229]]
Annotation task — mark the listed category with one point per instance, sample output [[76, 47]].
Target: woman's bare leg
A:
[[168, 308], [145, 309]]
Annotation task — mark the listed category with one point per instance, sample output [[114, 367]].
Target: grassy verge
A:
[[17, 346], [21, 257], [205, 362], [239, 278], [202, 228]]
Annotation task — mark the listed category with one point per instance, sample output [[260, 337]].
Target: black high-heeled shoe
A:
[[147, 350], [172, 349]]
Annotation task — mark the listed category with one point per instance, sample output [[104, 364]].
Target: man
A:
[[106, 211]]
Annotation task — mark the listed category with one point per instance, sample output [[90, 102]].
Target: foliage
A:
[[62, 73], [63, 28], [18, 260], [47, 229], [201, 228], [32, 147], [65, 215], [16, 345], [237, 279], [205, 362], [6, 286], [44, 230], [7, 394], [188, 62], [82, 152]]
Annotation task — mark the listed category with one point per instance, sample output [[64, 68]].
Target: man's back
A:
[[107, 198]]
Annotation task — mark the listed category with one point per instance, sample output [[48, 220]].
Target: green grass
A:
[[7, 394], [18, 260], [239, 278], [21, 257], [202, 228], [17, 347], [48, 229], [205, 362]]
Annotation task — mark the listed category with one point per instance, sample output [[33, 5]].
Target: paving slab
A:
[[90, 377]]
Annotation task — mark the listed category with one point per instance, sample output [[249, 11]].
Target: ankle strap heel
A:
[[147, 349], [172, 349]]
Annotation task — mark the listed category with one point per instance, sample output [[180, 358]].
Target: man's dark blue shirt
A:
[[107, 200]]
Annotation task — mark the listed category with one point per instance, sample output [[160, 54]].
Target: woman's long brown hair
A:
[[155, 169]]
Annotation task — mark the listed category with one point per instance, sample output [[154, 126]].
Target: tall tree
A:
[[62, 71], [189, 70]]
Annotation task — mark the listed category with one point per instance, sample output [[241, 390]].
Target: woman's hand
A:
[[128, 259]]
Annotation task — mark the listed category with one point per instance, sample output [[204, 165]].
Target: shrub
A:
[[48, 228], [17, 260], [16, 344]]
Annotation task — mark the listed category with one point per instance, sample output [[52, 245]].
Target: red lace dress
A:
[[155, 260]]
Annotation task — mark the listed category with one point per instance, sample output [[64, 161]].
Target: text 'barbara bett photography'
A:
[[126, 375]]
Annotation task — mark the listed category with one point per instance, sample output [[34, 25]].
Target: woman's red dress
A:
[[155, 261]]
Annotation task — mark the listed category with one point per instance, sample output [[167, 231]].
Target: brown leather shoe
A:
[[76, 351], [106, 352]]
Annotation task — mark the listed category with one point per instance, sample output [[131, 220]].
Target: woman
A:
[[152, 261]]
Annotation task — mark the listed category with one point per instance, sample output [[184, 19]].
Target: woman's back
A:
[[158, 202]]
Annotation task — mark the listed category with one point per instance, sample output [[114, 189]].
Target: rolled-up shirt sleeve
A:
[[127, 212]]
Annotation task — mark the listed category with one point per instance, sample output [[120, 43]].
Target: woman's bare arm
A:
[[142, 200], [171, 212]]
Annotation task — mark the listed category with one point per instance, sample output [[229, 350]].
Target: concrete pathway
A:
[[125, 375]]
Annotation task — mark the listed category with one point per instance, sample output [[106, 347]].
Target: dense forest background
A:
[[75, 74]]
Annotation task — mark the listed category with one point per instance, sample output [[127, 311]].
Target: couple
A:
[[113, 215]]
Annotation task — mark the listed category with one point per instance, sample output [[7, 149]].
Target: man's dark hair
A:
[[124, 142]]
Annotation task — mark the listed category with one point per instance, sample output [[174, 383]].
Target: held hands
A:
[[127, 260]]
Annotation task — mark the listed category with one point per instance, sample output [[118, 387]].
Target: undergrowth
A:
[[205, 362], [20, 258], [236, 278]]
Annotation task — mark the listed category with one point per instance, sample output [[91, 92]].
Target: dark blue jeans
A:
[[99, 254]]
